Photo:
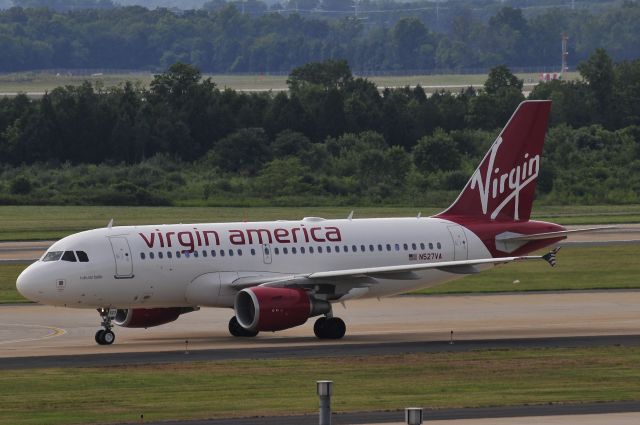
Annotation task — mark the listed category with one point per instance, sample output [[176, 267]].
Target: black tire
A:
[[337, 328], [329, 328], [108, 337], [319, 327], [100, 336], [238, 331]]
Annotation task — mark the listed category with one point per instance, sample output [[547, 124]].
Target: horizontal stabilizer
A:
[[511, 237]]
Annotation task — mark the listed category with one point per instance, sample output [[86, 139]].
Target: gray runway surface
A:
[[432, 415], [28, 331], [333, 350]]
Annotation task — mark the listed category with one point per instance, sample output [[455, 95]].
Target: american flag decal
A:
[[413, 257]]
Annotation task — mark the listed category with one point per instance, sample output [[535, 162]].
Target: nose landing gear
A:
[[106, 336]]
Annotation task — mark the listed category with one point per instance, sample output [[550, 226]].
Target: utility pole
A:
[[565, 53]]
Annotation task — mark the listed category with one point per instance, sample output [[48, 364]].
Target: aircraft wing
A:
[[349, 279]]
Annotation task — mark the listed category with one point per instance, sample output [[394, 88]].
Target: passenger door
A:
[[122, 256]]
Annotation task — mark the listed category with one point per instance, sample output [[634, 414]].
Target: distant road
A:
[[428, 88]]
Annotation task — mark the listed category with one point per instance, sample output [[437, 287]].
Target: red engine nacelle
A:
[[148, 317], [275, 309]]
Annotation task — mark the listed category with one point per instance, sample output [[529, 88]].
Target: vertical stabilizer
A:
[[503, 186]]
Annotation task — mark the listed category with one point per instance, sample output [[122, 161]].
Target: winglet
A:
[[350, 215], [110, 224]]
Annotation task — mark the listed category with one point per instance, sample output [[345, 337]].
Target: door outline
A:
[[122, 257], [266, 253], [460, 246]]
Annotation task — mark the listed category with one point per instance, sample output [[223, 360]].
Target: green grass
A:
[[49, 222], [42, 81], [221, 389], [580, 268], [8, 275]]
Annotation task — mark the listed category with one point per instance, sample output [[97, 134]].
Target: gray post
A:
[[325, 389], [413, 415]]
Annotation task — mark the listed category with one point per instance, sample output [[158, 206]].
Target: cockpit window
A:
[[69, 256], [82, 256], [52, 256]]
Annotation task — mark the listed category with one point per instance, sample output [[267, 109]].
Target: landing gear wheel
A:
[[318, 327], [106, 336], [236, 330], [329, 328]]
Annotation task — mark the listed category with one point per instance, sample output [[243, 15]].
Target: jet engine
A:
[[274, 309], [148, 317]]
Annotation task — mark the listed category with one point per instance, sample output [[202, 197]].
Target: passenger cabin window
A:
[[52, 256], [82, 256], [142, 255], [69, 256]]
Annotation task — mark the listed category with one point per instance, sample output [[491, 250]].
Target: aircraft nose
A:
[[26, 285]]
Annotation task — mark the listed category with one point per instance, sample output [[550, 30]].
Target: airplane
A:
[[276, 275]]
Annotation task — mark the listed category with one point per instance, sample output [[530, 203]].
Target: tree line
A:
[[222, 38], [333, 138]]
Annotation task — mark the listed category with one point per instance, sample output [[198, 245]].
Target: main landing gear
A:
[[106, 336], [236, 330], [329, 328]]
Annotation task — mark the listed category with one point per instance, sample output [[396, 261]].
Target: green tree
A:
[[243, 152], [598, 73], [329, 75], [437, 152]]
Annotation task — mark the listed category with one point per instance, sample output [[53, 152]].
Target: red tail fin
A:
[[503, 185]]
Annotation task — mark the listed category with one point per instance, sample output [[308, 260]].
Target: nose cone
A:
[[26, 286]]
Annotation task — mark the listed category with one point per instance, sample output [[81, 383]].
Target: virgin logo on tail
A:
[[515, 180], [508, 172]]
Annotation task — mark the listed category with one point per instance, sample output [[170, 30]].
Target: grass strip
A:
[[8, 275], [579, 268], [54, 222], [277, 387], [44, 81]]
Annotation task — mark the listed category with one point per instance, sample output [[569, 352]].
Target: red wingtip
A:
[[503, 186]]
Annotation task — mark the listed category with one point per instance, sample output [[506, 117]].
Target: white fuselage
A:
[[201, 264]]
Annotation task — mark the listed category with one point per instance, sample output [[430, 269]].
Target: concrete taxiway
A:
[[34, 330]]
